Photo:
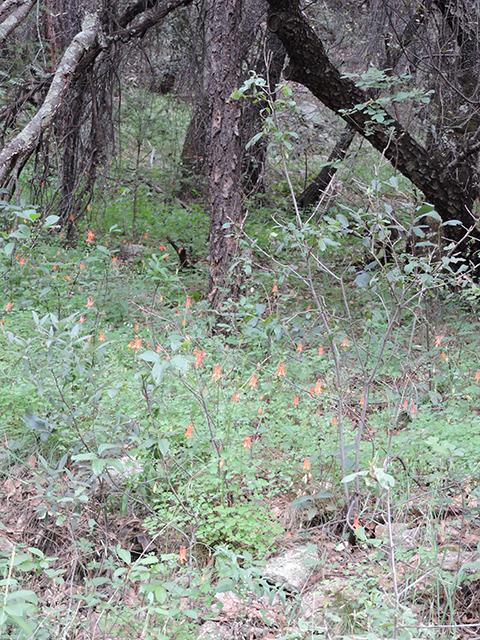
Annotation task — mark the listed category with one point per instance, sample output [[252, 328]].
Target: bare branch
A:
[[13, 153], [15, 18]]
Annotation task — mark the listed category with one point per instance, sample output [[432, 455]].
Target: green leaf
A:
[[149, 356], [98, 465], [124, 555]]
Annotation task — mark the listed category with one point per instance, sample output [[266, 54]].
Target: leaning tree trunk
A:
[[225, 191], [451, 189]]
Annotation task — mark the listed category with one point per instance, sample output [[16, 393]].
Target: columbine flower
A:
[[334, 421], [405, 404], [275, 288], [82, 266], [306, 464], [102, 337], [90, 236], [361, 402], [345, 343], [189, 431], [81, 319], [89, 302], [22, 260], [162, 247], [199, 356], [182, 556], [217, 372], [356, 523], [300, 347], [281, 369], [9, 306], [253, 381], [136, 343], [477, 375], [413, 410], [158, 348], [318, 387], [114, 260], [189, 302], [438, 341], [247, 442], [444, 355], [296, 400], [235, 396], [320, 350]]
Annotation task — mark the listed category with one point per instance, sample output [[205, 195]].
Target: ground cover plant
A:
[[156, 454]]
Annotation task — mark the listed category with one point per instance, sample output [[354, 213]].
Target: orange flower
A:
[[281, 369], [163, 247], [275, 288], [81, 319], [345, 343], [253, 381], [320, 350], [9, 306], [88, 207], [236, 397], [136, 343], [306, 464], [309, 307], [199, 356], [81, 266], [300, 347], [72, 217], [477, 375], [22, 260], [413, 410], [67, 277], [438, 341], [137, 327], [102, 337], [260, 411], [189, 302], [54, 267], [405, 405], [356, 523], [88, 339], [217, 372], [114, 260], [89, 302], [361, 402], [189, 431], [90, 236], [247, 442], [182, 556], [318, 387], [158, 348], [334, 421], [296, 400], [146, 235], [444, 355]]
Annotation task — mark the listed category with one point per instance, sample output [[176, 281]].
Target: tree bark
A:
[[13, 153], [451, 192], [16, 17], [312, 192], [225, 146]]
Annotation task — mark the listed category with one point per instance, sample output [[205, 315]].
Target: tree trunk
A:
[[225, 146], [14, 152], [452, 192], [311, 194], [18, 15]]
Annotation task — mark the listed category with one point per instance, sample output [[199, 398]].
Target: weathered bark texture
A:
[[21, 9], [25, 141], [451, 192], [312, 193], [225, 146]]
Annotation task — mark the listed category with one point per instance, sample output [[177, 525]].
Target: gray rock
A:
[[293, 567]]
